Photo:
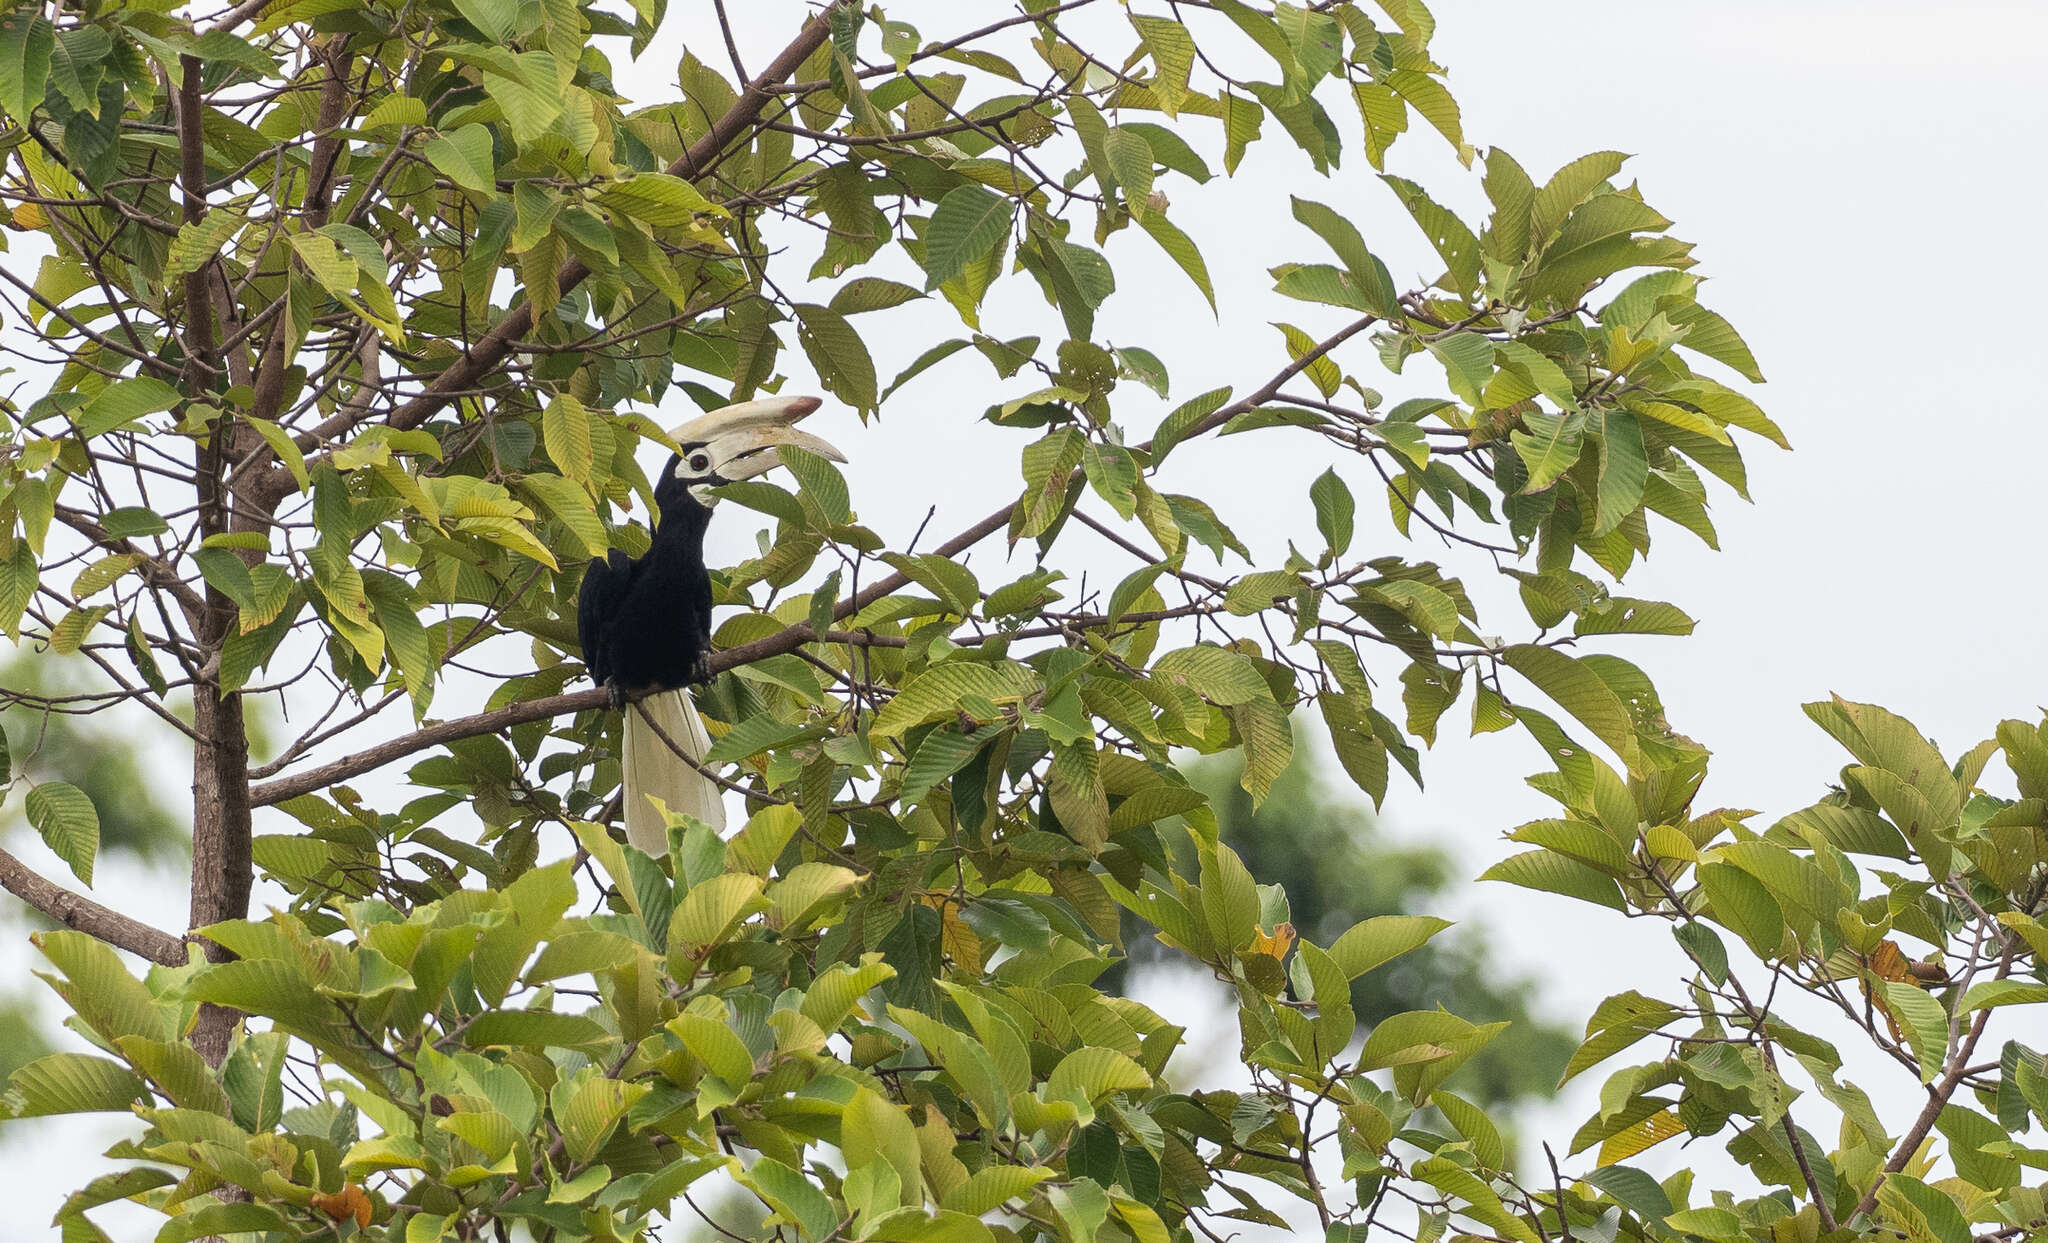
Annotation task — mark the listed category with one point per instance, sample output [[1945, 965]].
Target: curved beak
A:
[[744, 439]]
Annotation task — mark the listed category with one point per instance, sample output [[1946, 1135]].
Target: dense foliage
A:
[[347, 325]]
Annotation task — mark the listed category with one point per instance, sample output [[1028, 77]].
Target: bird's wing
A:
[[653, 768], [606, 584]]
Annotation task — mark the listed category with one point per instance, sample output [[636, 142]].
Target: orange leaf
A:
[[350, 1201], [1275, 945]]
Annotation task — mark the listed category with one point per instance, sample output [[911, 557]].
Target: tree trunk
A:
[[221, 867]]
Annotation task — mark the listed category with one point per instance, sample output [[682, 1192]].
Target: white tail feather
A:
[[653, 768]]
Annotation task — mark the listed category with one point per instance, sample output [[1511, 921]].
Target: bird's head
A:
[[737, 442]]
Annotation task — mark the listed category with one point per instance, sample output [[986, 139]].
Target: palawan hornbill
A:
[[645, 623]]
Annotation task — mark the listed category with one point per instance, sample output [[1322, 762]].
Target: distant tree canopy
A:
[[344, 326]]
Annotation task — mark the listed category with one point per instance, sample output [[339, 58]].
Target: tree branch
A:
[[78, 912]]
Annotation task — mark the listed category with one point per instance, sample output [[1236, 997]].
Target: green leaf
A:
[[1468, 363], [1634, 1190], [464, 157], [71, 1083], [1382, 939], [1369, 278], [1707, 333], [335, 270], [1429, 98], [1335, 511], [714, 1044], [1359, 748], [78, 62], [102, 574], [199, 241], [793, 1196], [108, 1000], [1130, 160], [657, 198], [593, 1111], [1570, 186], [1622, 615], [1181, 249], [1992, 993], [1475, 1126], [1113, 473], [217, 1219], [1928, 1212], [1221, 676], [565, 428], [571, 506], [873, 1128], [937, 692], [820, 481], [1450, 236], [873, 293], [1173, 56], [840, 987], [923, 363], [761, 732], [1176, 426], [397, 112], [966, 225], [1086, 1076], [1741, 903], [993, 1186], [839, 355], [496, 20], [1623, 470], [108, 1188], [132, 522], [1242, 120], [1925, 1023], [70, 826], [797, 899], [26, 40], [536, 1029], [1576, 688], [712, 911], [1549, 447], [1555, 873], [123, 402], [954, 584], [1230, 898], [286, 449], [1320, 282]]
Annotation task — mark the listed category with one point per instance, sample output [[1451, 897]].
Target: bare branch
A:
[[76, 911]]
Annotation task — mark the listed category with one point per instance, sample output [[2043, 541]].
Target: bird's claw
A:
[[700, 672], [615, 694]]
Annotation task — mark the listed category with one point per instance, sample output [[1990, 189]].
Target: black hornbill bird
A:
[[645, 623]]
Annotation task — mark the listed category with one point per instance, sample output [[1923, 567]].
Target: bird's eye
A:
[[700, 462]]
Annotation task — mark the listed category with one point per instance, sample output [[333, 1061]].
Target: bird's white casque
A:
[[744, 440], [734, 442]]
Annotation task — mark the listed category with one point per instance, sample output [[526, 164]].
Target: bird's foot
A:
[[615, 694], [700, 671]]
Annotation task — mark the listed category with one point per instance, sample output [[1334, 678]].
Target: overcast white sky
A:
[[1860, 180]]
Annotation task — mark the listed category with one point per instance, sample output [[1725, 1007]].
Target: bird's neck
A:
[[683, 516]]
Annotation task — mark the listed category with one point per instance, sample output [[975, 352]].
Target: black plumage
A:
[[645, 622]]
